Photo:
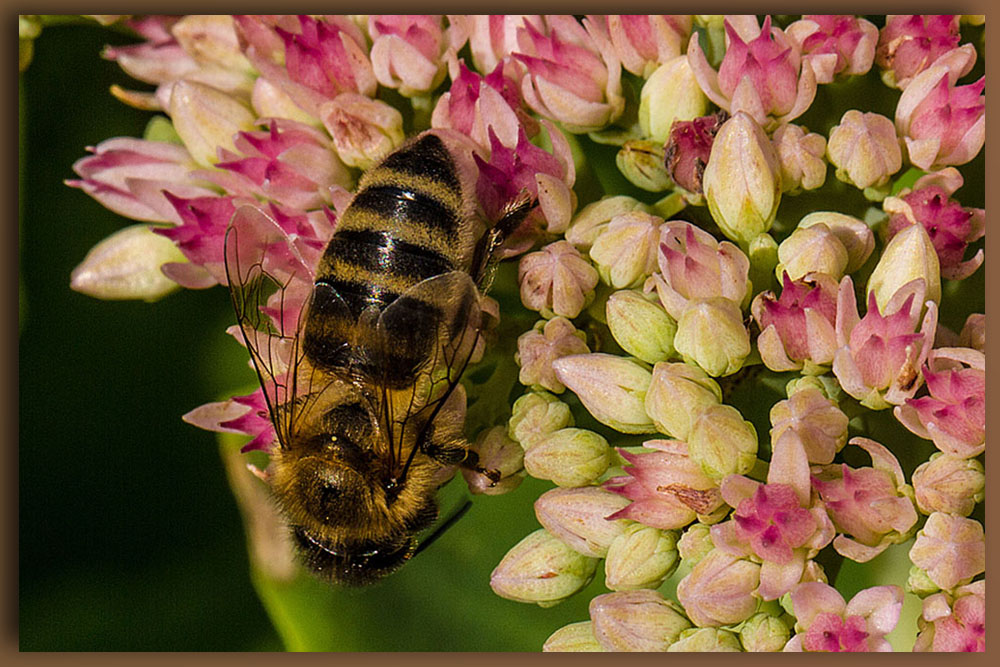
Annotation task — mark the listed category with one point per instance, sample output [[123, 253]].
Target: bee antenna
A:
[[448, 523]]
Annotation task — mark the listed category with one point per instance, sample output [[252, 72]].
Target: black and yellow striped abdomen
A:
[[409, 221]]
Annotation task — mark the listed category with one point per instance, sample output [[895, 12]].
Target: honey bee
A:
[[362, 393]]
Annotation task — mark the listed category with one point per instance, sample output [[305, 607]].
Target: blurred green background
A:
[[129, 537]]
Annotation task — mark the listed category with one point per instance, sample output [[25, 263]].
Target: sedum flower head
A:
[[824, 622], [910, 43], [644, 41], [408, 52], [541, 569]]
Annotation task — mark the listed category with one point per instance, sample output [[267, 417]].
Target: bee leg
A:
[[472, 463], [444, 453], [486, 258]]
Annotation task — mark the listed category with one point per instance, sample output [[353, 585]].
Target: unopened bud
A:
[[573, 638], [626, 251], [578, 517], [814, 249], [706, 640], [207, 119], [865, 150], [711, 334], [588, 224], [642, 162], [641, 557], [640, 620], [670, 93], [723, 442], [541, 569], [569, 457], [642, 327], [612, 389], [535, 415], [363, 129], [695, 543], [677, 394], [720, 590], [126, 265], [854, 234], [764, 633], [949, 484], [742, 181], [909, 255], [499, 454]]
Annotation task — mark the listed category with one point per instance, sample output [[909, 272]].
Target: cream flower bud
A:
[[711, 334], [271, 101], [857, 237], [626, 251], [612, 389], [126, 265], [723, 442], [556, 279], [640, 620], [818, 422], [547, 341], [949, 484], [695, 543], [569, 457], [496, 451], [363, 130], [535, 415], [864, 149], [814, 249], [594, 217], [764, 633], [950, 549], [909, 255], [677, 394], [579, 517], [642, 327], [211, 40], [541, 569], [706, 640], [207, 119], [974, 332], [801, 157], [641, 557], [742, 180], [670, 93], [642, 162], [573, 638], [719, 590]]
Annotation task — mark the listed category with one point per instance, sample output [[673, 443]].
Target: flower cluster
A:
[[731, 355]]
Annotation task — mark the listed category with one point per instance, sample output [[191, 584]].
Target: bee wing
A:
[[268, 281], [428, 333]]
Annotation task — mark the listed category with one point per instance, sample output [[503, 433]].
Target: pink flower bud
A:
[[363, 130], [941, 123], [572, 75], [541, 569], [762, 75], [954, 413], [582, 518], [950, 226], [689, 147], [496, 452], [667, 487], [797, 328], [950, 549], [407, 52], [801, 158], [693, 265], [946, 483], [640, 620], [873, 506], [556, 279], [864, 149], [128, 176], [719, 590], [711, 334], [834, 44], [126, 265], [824, 622], [493, 37], [879, 357], [742, 181], [815, 419], [627, 249], [535, 415], [910, 43], [642, 42], [547, 341], [248, 415]]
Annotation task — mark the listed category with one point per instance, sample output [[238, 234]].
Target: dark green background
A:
[[129, 536]]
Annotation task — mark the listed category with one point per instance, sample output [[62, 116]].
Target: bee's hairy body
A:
[[357, 473]]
